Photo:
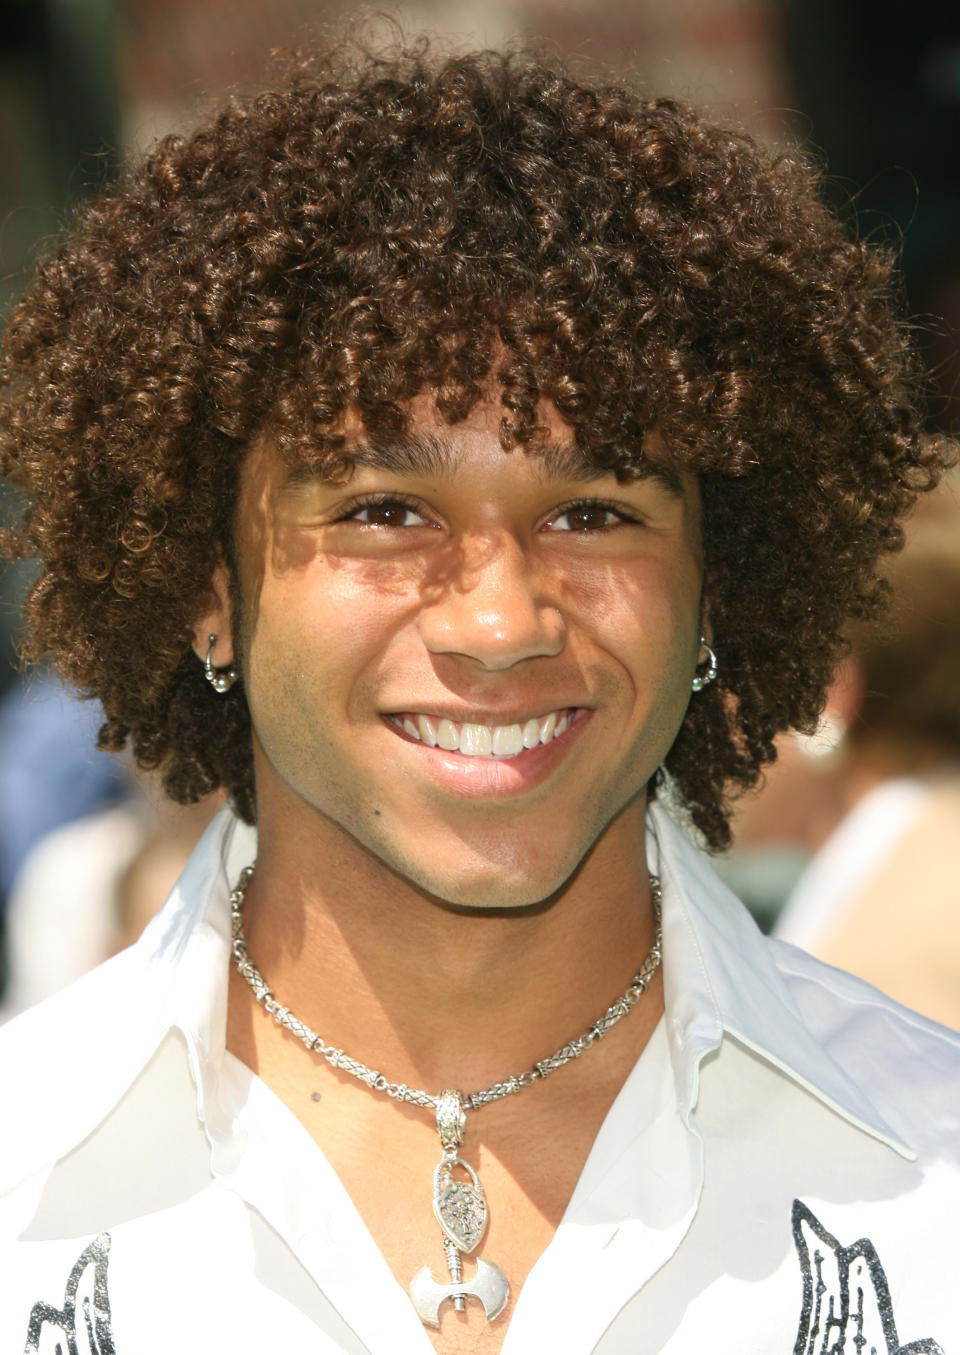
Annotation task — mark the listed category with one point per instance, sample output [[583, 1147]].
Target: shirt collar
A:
[[91, 1040], [191, 936], [721, 978]]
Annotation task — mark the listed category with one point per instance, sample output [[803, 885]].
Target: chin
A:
[[496, 871], [486, 889]]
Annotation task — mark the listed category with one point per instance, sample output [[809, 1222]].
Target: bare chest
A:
[[528, 1159], [387, 1159], [527, 1150]]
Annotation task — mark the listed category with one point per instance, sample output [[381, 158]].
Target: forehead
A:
[[429, 447]]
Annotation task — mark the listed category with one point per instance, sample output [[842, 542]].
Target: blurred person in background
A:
[[51, 773], [882, 896], [88, 888], [74, 821], [461, 465]]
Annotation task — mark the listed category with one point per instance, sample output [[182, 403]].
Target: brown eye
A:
[[585, 517], [388, 513]]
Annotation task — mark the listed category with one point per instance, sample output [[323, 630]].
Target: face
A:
[[463, 663]]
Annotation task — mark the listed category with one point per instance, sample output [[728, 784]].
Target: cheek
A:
[[645, 608], [338, 594], [645, 619], [320, 629]]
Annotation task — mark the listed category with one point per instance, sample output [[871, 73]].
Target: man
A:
[[454, 461]]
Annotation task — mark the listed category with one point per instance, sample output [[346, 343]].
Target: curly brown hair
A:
[[384, 224]]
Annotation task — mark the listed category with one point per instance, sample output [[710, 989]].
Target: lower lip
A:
[[491, 777]]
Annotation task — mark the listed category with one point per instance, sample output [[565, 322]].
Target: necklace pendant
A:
[[451, 1120], [460, 1207], [489, 1285]]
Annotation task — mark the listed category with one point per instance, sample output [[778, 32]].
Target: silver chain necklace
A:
[[459, 1205]]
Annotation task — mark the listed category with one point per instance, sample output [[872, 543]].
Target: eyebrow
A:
[[427, 456]]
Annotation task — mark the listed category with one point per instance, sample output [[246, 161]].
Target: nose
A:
[[493, 610]]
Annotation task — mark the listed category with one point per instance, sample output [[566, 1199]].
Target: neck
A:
[[438, 996]]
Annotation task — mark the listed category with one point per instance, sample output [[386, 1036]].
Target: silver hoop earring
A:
[[220, 679], [701, 680]]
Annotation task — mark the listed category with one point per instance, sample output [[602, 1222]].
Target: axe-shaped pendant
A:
[[460, 1207]]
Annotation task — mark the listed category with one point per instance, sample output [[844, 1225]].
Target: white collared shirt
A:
[[779, 1175]]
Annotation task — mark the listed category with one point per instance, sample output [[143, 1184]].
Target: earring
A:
[[222, 679], [701, 680]]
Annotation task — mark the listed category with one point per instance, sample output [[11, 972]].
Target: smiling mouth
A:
[[498, 742]]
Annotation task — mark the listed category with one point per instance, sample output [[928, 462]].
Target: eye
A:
[[587, 515], [385, 512]]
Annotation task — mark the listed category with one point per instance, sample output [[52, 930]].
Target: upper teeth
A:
[[484, 740]]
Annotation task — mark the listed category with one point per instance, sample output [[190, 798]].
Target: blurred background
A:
[[853, 846]]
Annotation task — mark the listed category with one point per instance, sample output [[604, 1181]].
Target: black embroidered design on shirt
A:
[[86, 1302], [846, 1299]]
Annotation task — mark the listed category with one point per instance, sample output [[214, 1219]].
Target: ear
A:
[[217, 621]]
